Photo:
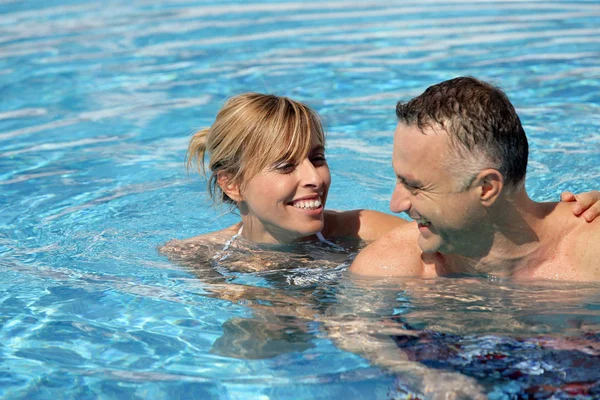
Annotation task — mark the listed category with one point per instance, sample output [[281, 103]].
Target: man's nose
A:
[[400, 201], [309, 176]]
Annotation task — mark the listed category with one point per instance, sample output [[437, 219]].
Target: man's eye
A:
[[412, 189]]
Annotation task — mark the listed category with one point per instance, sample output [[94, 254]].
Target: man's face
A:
[[428, 191]]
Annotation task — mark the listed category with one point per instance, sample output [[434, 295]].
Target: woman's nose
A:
[[309, 175]]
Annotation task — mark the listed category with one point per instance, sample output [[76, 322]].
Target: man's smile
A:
[[422, 222]]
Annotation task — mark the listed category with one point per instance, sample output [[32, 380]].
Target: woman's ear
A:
[[489, 183], [230, 188]]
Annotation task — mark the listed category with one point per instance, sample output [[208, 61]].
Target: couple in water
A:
[[460, 155]]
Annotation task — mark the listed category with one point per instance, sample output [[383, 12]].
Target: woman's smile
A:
[[308, 203]]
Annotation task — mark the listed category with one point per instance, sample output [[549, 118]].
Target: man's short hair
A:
[[478, 118]]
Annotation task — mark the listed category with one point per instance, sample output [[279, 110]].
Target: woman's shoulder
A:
[[187, 247]]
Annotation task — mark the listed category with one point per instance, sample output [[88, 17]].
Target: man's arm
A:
[[360, 322], [395, 254]]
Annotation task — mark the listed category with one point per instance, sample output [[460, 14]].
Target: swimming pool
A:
[[98, 99]]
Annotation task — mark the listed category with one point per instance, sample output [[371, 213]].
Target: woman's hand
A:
[[585, 204]]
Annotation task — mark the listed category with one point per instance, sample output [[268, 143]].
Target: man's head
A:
[[457, 146], [481, 123]]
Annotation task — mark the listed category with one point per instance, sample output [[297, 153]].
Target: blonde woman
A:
[[266, 158]]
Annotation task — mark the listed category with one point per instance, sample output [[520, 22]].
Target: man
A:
[[460, 156]]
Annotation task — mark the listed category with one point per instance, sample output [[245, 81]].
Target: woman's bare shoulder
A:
[[189, 246]]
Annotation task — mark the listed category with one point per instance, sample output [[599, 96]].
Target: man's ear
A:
[[489, 183], [230, 188]]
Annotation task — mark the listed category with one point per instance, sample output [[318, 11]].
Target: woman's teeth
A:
[[422, 221], [307, 204]]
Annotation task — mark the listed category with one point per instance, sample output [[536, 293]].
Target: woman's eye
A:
[[285, 168], [318, 159]]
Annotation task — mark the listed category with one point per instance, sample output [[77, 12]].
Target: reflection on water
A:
[[481, 335]]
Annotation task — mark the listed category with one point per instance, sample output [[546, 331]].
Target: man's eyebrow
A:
[[409, 181]]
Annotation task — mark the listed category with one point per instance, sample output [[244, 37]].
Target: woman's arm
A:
[[367, 225]]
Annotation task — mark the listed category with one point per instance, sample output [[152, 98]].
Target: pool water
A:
[[98, 101]]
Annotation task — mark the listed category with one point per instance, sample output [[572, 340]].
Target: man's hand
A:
[[586, 204]]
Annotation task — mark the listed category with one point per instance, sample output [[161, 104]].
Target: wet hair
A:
[[252, 131], [482, 125]]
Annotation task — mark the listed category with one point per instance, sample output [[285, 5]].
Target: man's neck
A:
[[517, 239]]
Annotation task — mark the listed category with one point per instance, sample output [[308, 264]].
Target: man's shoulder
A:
[[571, 229], [576, 245], [582, 244], [394, 254]]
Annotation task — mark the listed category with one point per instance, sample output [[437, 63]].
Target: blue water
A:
[[97, 102]]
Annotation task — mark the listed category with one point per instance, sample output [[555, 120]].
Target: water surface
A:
[[98, 100]]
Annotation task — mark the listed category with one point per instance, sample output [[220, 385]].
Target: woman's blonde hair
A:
[[251, 132]]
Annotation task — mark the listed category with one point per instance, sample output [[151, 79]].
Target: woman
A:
[[267, 159]]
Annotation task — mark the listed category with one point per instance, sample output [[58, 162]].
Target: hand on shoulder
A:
[[585, 205]]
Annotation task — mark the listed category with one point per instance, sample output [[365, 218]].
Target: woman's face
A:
[[285, 202]]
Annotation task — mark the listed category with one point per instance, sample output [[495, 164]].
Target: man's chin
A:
[[428, 246]]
